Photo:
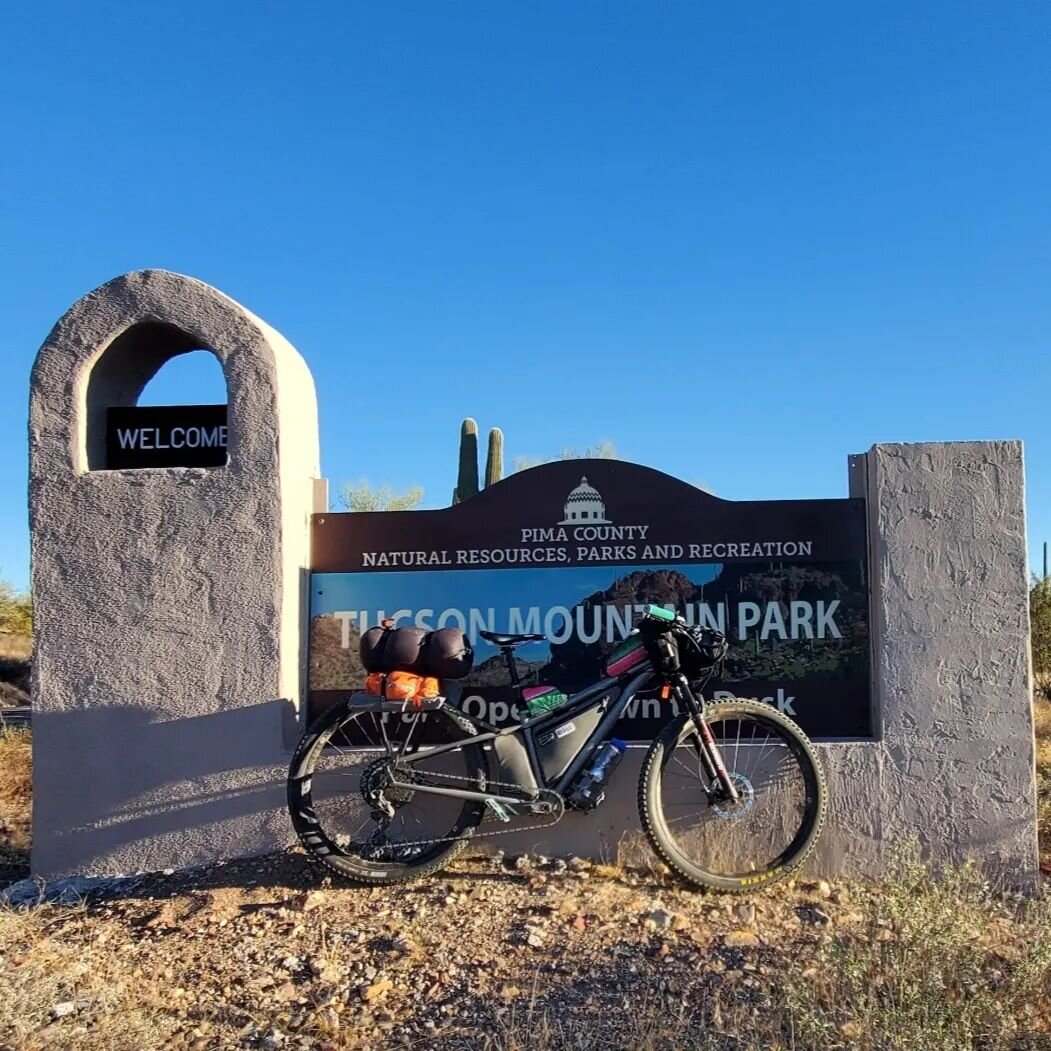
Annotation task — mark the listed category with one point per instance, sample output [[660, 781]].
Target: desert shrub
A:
[[16, 610], [1040, 630], [947, 962], [16, 789], [942, 962]]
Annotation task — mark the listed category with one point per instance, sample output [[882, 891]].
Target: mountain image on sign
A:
[[783, 621], [797, 621]]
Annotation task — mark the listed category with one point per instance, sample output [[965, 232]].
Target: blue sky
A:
[[739, 241]]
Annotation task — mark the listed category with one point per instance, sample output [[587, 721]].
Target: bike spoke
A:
[[723, 836], [349, 783]]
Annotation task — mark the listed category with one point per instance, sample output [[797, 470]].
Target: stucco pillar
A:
[[169, 602], [954, 769]]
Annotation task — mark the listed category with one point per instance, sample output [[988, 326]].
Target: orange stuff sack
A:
[[401, 685]]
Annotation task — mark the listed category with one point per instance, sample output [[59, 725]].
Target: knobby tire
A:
[[318, 842], [654, 820]]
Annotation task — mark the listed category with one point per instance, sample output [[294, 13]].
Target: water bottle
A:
[[608, 757], [589, 791]]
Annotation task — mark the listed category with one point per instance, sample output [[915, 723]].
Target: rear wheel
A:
[[349, 815], [716, 842]]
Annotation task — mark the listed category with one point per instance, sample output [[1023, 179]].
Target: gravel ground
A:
[[269, 954]]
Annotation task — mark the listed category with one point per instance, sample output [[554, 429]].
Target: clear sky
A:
[[741, 241]]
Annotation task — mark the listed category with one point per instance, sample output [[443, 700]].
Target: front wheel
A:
[[742, 845]]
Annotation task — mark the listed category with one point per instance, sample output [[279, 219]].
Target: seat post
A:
[[512, 666]]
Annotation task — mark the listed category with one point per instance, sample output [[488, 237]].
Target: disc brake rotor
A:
[[735, 810]]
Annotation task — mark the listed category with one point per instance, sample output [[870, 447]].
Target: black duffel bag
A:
[[443, 654]]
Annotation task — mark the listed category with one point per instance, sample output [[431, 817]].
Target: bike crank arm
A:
[[714, 767]]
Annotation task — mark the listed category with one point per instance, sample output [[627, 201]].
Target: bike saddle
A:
[[510, 640]]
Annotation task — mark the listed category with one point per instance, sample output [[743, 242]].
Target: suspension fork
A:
[[711, 757]]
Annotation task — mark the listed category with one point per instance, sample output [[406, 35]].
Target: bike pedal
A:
[[498, 809]]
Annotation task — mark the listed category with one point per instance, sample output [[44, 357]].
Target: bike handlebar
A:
[[669, 616]]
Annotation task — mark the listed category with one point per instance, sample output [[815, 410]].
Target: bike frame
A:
[[626, 687]]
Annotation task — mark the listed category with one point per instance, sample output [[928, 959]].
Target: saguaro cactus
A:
[[494, 461], [467, 476]]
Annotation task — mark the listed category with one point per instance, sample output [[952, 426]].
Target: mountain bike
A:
[[731, 795]]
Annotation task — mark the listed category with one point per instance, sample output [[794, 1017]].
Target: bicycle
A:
[[716, 780]]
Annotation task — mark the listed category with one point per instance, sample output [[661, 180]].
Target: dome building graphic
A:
[[585, 505]]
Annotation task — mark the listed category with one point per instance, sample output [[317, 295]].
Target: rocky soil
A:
[[521, 952]]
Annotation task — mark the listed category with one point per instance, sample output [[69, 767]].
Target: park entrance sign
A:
[[171, 608], [573, 550]]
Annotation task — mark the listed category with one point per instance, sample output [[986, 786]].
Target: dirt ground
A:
[[532, 953], [520, 953]]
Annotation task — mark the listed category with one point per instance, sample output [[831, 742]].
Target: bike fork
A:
[[711, 758]]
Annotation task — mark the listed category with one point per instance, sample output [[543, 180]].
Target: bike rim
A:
[[359, 815], [762, 831]]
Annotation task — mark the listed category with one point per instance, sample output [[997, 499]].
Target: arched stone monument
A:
[[171, 608], [170, 635]]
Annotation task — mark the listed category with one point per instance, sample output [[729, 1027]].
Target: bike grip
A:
[[660, 613]]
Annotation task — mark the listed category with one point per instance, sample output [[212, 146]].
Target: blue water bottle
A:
[[589, 790]]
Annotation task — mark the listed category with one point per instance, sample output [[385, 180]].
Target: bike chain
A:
[[495, 832]]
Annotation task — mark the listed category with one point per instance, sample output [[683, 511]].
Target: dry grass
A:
[[15, 647], [1042, 722], [16, 785], [15, 654], [939, 965], [946, 964], [110, 1008]]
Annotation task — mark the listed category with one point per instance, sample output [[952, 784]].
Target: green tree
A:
[[362, 496], [1040, 629], [16, 610], [605, 450]]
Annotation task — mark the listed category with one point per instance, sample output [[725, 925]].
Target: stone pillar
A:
[[169, 602], [954, 768]]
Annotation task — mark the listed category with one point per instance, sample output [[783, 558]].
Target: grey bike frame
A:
[[577, 704]]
